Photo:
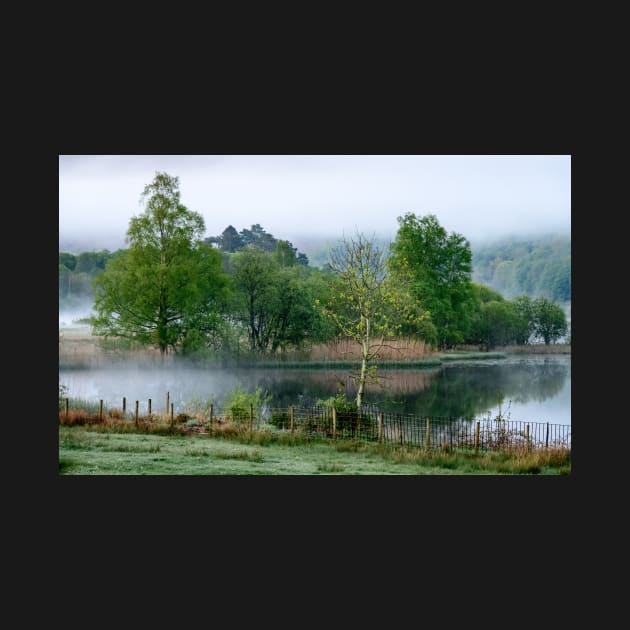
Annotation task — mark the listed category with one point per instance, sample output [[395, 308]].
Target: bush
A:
[[236, 404], [349, 420], [280, 419]]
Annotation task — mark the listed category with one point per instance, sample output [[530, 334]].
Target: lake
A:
[[524, 387]]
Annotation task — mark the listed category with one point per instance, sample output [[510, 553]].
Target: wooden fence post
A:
[[149, 406], [527, 436], [136, 413], [211, 410], [167, 401], [251, 417], [477, 435], [124, 406], [67, 406], [172, 413], [100, 410], [427, 435], [334, 419], [380, 427], [291, 416], [547, 437]]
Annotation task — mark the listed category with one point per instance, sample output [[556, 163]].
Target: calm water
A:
[[535, 388]]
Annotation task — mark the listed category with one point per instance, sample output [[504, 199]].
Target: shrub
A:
[[349, 420], [236, 404]]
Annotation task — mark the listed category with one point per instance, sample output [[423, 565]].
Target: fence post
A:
[[251, 416], [380, 427], [427, 435], [291, 417], [167, 402], [67, 406], [547, 437], [334, 418], [100, 410], [149, 406], [527, 435], [172, 413], [124, 406], [136, 413], [477, 436], [211, 410]]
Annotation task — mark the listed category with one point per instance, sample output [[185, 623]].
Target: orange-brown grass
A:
[[395, 350]]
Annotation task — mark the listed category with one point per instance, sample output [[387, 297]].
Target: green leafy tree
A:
[[440, 267], [68, 260], [550, 322], [285, 253], [523, 319], [495, 323], [168, 285], [258, 237], [230, 240], [272, 303], [366, 304]]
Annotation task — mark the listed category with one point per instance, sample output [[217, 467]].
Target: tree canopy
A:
[[440, 267], [168, 284]]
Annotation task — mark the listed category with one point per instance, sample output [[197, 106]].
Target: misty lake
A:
[[535, 388]]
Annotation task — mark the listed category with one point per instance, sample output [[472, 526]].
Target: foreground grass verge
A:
[[97, 450]]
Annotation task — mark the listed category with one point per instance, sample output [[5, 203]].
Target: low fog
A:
[[300, 197], [68, 315], [536, 389]]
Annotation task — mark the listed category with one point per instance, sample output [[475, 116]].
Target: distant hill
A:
[[536, 266]]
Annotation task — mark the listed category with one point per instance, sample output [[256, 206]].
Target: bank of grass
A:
[[104, 450]]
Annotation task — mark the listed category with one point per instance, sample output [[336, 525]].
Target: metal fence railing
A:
[[368, 425]]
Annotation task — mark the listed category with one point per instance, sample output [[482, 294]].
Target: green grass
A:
[[85, 451]]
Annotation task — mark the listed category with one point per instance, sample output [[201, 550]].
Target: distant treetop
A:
[[232, 241]]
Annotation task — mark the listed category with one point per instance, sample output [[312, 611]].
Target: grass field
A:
[[88, 451]]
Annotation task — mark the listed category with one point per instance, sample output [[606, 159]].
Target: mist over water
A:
[[532, 388]]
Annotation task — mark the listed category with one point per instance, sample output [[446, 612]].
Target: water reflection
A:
[[534, 388]]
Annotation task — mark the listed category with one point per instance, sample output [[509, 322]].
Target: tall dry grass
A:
[[346, 349]]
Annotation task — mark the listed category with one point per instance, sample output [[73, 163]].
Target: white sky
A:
[[300, 197]]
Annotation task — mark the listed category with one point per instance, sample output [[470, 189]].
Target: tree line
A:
[[249, 293], [538, 267]]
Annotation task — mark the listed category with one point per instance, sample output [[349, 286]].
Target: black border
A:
[[292, 507]]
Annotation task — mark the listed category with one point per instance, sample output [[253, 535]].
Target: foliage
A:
[[274, 304], [440, 268], [232, 241], [77, 273], [538, 267], [236, 403], [550, 322], [168, 288], [349, 418], [366, 304]]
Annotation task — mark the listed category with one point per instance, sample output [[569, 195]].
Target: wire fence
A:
[[367, 425]]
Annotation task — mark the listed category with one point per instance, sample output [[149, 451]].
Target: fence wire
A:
[[368, 425]]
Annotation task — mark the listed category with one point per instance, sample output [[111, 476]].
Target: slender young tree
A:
[[366, 304]]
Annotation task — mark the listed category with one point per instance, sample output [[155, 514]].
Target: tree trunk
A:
[[362, 378]]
